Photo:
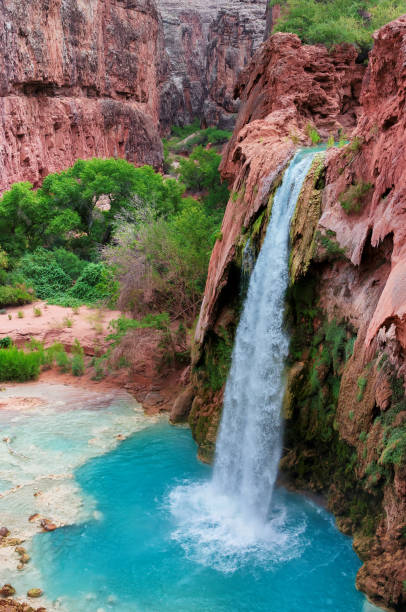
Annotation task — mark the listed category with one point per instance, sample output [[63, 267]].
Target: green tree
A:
[[201, 173]]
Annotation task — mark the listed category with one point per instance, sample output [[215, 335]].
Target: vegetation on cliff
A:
[[332, 22]]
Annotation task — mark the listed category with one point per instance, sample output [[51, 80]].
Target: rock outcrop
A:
[[376, 158], [345, 408], [286, 89], [77, 79], [207, 46]]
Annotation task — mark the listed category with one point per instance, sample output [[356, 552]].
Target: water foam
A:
[[214, 532]]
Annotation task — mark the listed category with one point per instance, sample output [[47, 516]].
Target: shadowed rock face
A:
[[77, 79], [208, 43]]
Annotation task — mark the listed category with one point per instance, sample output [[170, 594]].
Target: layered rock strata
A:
[[208, 43], [345, 406], [77, 79]]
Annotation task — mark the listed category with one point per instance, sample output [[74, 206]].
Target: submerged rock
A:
[[34, 593], [7, 591]]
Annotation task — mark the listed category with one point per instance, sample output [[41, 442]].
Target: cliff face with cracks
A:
[[77, 79], [345, 405], [207, 46], [106, 77]]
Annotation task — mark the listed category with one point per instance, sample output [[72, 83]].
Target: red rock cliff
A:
[[207, 47], [353, 259], [286, 87], [77, 79]]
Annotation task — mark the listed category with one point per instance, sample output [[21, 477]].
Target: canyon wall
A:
[[105, 78], [208, 43], [77, 79], [345, 407]]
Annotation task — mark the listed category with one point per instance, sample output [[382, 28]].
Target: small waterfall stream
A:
[[249, 442], [230, 519]]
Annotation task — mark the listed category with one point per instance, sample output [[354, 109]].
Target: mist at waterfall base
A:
[[175, 535]]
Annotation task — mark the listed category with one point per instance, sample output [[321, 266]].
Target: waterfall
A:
[[231, 516], [249, 441]]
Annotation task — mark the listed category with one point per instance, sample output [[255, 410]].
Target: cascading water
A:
[[231, 516], [249, 442]]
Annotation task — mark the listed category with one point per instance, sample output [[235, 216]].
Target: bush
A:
[[95, 283], [353, 199], [211, 136], [162, 265], [70, 263], [14, 296], [187, 130], [332, 22], [78, 366], [41, 269], [62, 360], [313, 134], [16, 364], [201, 173]]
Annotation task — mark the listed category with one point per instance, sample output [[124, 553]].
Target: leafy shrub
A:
[[62, 360], [14, 296], [16, 364], [200, 173], [361, 383], [353, 199], [42, 271], [313, 134], [395, 447], [5, 342], [78, 366], [162, 265], [122, 325], [187, 130], [99, 372], [77, 349], [93, 283], [329, 242], [70, 263], [211, 135]]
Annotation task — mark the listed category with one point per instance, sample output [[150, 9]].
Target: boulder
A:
[[182, 405], [7, 591], [34, 593]]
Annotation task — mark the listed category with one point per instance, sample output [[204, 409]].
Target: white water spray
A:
[[249, 442], [231, 515]]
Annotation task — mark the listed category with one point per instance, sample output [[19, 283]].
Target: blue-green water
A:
[[145, 552]]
